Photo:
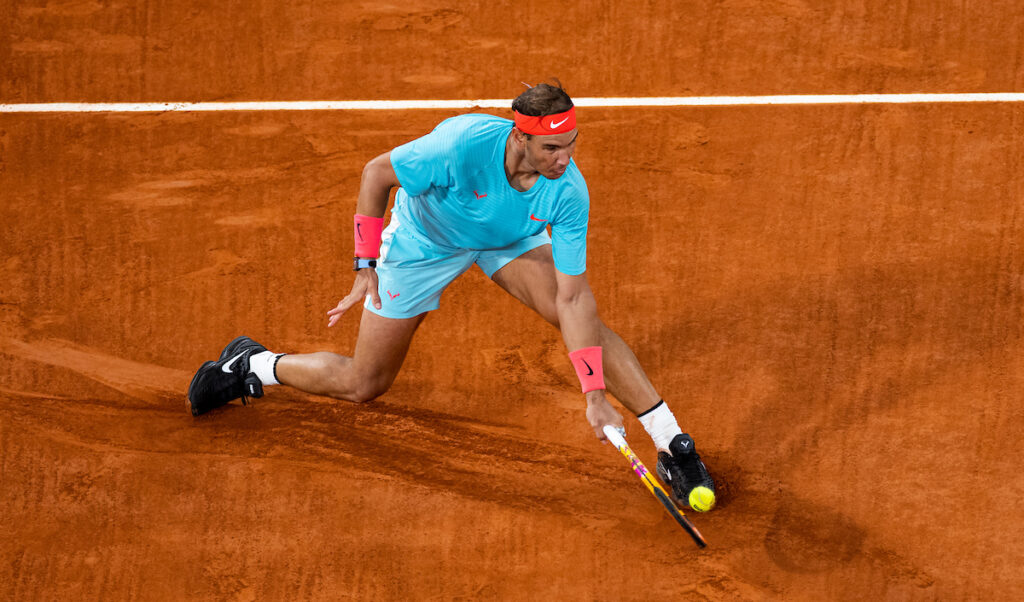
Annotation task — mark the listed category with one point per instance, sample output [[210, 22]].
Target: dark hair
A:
[[542, 99]]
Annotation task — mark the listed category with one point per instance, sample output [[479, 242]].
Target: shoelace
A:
[[245, 388]]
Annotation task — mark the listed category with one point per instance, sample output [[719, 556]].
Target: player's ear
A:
[[519, 137]]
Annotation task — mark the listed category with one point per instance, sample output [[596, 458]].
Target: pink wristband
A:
[[367, 234], [589, 368]]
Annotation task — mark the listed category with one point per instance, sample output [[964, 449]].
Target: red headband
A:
[[559, 123]]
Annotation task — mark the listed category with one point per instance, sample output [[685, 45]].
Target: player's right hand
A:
[[365, 284]]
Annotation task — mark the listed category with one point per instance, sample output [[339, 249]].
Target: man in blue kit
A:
[[478, 189]]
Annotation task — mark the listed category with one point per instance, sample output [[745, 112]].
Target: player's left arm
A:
[[581, 329], [577, 311]]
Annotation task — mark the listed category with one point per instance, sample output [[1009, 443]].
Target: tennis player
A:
[[481, 190]]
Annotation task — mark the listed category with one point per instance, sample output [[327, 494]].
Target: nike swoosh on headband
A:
[[555, 125]]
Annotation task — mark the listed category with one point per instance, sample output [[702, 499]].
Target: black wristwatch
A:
[[359, 263]]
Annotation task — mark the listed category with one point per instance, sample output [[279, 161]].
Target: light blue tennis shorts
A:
[[413, 272]]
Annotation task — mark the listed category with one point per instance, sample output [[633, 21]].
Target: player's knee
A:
[[371, 388], [363, 395]]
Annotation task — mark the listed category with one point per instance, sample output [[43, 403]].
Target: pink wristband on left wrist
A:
[[589, 368]]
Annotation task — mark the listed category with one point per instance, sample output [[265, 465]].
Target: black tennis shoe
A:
[[683, 469], [217, 383]]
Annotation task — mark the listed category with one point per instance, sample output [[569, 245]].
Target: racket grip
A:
[[614, 436]]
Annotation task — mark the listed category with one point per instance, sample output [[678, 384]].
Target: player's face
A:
[[550, 155]]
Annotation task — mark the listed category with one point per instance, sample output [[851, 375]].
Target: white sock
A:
[[262, 365], [660, 424]]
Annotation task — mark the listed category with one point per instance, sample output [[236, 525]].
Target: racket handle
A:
[[614, 436]]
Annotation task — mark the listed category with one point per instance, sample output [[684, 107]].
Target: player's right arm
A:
[[374, 190], [375, 186], [416, 167]]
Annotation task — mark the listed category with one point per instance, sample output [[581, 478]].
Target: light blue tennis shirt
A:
[[454, 191]]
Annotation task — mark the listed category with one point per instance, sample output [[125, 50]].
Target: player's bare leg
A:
[[380, 350], [245, 367], [531, 279]]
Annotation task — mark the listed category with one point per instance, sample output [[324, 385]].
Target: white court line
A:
[[493, 103]]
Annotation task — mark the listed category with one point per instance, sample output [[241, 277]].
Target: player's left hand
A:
[[600, 412]]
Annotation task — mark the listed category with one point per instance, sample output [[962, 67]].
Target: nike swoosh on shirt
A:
[[227, 366], [555, 125], [537, 219]]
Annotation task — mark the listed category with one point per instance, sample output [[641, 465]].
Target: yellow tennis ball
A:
[[702, 499]]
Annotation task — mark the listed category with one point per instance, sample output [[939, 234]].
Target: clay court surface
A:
[[830, 297]]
